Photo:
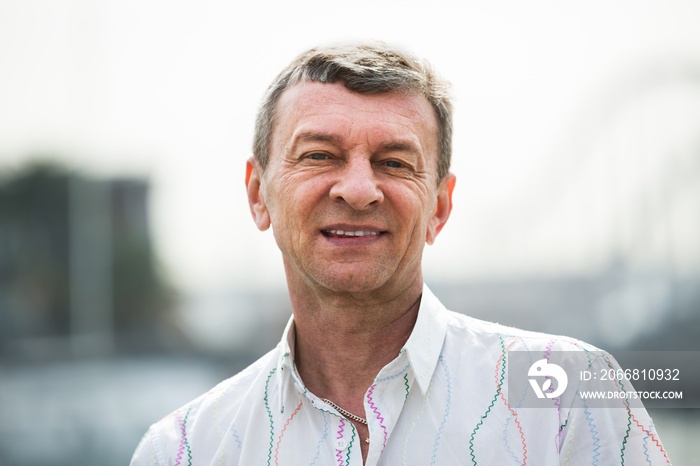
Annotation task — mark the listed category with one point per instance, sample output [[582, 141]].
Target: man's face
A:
[[350, 188]]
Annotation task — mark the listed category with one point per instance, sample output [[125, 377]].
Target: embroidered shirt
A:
[[442, 401]]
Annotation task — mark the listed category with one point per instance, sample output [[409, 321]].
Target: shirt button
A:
[[341, 444]]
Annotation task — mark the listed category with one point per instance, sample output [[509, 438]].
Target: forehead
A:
[[353, 117]]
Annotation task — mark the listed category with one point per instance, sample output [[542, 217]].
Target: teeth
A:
[[353, 233]]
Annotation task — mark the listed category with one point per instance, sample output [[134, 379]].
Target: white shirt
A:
[[441, 401]]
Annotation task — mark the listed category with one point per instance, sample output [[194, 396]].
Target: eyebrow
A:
[[398, 147], [313, 136]]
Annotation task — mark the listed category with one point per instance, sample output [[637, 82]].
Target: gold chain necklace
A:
[[347, 414]]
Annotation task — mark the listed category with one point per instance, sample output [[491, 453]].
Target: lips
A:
[[348, 234], [351, 232]]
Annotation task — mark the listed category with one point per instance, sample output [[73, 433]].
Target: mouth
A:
[[347, 232]]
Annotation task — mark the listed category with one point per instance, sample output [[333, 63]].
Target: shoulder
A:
[[203, 420], [462, 329], [516, 352]]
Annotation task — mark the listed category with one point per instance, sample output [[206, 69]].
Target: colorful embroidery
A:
[[184, 444], [339, 453], [414, 423], [269, 414], [547, 354], [352, 440], [499, 384], [384, 379], [594, 434], [322, 439], [284, 428], [572, 436], [448, 405], [234, 432], [405, 378], [370, 402]]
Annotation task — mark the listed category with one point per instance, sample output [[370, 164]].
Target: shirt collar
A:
[[423, 347]]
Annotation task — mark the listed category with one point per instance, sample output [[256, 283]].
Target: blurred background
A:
[[132, 278]]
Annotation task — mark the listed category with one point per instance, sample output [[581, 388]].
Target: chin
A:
[[363, 280]]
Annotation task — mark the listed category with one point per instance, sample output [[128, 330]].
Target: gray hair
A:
[[366, 69]]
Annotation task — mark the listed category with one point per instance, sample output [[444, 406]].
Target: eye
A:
[[393, 164], [318, 156]]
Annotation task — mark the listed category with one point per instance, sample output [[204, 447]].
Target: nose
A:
[[357, 185]]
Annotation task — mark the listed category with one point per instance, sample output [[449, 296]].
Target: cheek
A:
[[417, 215], [292, 201], [411, 205]]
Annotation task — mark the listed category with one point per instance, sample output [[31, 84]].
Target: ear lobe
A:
[[256, 201], [443, 208]]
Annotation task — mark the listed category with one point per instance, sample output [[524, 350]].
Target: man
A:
[[351, 171]]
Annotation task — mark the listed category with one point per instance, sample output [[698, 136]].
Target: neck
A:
[[344, 340]]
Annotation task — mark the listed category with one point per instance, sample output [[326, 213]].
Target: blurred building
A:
[[77, 269]]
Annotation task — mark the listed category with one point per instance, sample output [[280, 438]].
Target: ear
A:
[[256, 200], [443, 208]]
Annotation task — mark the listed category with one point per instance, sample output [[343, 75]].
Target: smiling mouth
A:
[[349, 233]]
